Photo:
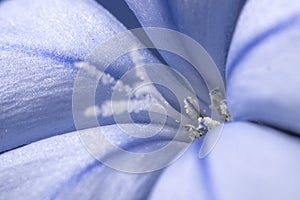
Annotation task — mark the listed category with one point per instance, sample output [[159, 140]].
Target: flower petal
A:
[[60, 168], [40, 44], [249, 162], [263, 64]]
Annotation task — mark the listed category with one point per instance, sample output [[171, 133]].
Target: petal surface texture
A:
[[249, 162], [263, 65], [60, 167], [40, 42]]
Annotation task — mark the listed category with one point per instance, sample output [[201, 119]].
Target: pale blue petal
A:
[[61, 168], [40, 41], [39, 44], [249, 162], [263, 67]]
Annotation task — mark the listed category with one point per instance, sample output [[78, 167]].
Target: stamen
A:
[[203, 123], [197, 124], [139, 100]]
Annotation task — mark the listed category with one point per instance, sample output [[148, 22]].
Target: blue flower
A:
[[257, 155]]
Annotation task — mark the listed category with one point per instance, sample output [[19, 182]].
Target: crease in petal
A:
[[205, 21]]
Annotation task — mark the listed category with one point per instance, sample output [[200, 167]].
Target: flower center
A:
[[205, 123], [133, 100]]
